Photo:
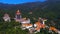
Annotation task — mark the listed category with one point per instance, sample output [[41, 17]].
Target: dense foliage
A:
[[51, 12]]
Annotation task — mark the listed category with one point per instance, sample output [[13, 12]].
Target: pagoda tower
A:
[[18, 16]]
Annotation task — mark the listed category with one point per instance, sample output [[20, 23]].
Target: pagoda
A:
[[18, 16]]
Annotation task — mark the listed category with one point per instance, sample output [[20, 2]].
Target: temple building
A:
[[6, 17]]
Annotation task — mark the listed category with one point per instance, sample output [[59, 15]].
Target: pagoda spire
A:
[[18, 12]]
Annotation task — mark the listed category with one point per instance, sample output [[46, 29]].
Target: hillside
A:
[[49, 9], [42, 7]]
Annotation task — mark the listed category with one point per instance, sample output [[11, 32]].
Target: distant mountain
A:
[[49, 5], [19, 6], [32, 5]]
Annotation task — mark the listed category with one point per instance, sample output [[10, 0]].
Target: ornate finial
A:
[[18, 12]]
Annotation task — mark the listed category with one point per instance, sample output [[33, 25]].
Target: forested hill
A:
[[48, 9], [20, 6]]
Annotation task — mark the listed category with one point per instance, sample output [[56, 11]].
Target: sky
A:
[[18, 1]]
